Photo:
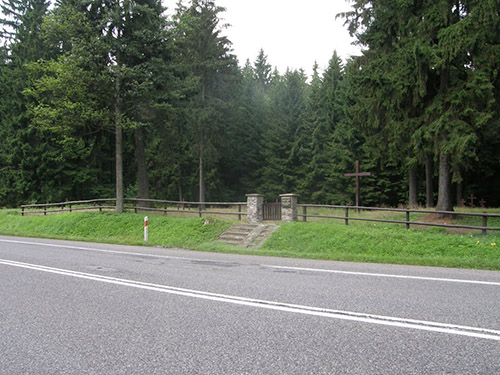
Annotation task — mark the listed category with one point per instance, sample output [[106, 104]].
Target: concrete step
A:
[[238, 230], [232, 236], [247, 228], [260, 235], [247, 235]]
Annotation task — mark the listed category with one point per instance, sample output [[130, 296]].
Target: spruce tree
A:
[[205, 55], [332, 144], [287, 103], [114, 69], [20, 146], [262, 70], [422, 87]]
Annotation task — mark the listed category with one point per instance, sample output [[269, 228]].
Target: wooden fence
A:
[[92, 204], [141, 205], [407, 222], [239, 209]]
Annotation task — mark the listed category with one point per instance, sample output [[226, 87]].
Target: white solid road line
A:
[[473, 332], [387, 275], [367, 274]]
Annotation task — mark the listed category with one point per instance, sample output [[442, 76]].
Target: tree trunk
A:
[[118, 138], [142, 176], [202, 176], [460, 192], [444, 194], [412, 187], [444, 190], [179, 190], [429, 189], [202, 150]]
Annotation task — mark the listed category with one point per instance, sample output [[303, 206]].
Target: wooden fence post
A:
[[347, 216], [304, 213], [407, 219], [485, 224]]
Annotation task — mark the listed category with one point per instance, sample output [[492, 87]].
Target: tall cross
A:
[[357, 174]]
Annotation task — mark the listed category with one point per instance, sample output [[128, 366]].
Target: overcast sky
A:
[[293, 33]]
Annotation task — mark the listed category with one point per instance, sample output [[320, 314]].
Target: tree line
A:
[[112, 97]]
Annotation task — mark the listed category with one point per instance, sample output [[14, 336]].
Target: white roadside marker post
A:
[[145, 229]]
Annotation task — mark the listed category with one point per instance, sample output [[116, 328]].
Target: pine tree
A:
[[19, 144], [146, 59], [243, 156], [287, 103], [422, 88], [206, 57], [262, 70], [332, 146], [304, 153], [130, 42]]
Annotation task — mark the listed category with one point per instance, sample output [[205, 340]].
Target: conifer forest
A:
[[104, 98]]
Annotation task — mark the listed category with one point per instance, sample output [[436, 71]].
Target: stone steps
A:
[[250, 236], [237, 233]]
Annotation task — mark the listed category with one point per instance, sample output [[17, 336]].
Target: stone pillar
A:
[[289, 207], [255, 214]]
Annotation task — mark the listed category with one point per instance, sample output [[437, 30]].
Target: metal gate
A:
[[271, 211]]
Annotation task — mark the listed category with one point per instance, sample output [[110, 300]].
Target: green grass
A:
[[382, 243], [107, 227], [362, 242]]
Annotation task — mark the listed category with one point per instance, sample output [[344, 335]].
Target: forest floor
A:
[[360, 241]]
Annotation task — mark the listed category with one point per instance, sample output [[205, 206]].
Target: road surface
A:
[[86, 308]]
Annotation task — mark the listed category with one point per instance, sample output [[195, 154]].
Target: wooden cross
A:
[[472, 197], [357, 174]]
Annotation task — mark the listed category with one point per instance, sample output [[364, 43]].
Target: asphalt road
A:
[[84, 308]]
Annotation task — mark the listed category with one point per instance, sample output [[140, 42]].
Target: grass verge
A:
[[385, 244], [370, 242], [107, 227]]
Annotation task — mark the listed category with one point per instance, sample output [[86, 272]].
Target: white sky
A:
[[293, 33]]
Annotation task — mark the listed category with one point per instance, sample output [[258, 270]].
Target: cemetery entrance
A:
[[271, 211]]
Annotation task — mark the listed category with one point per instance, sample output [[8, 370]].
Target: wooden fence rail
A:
[[407, 222], [200, 209], [136, 204], [52, 207]]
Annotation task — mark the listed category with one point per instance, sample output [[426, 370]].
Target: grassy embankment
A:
[[360, 241], [107, 227]]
